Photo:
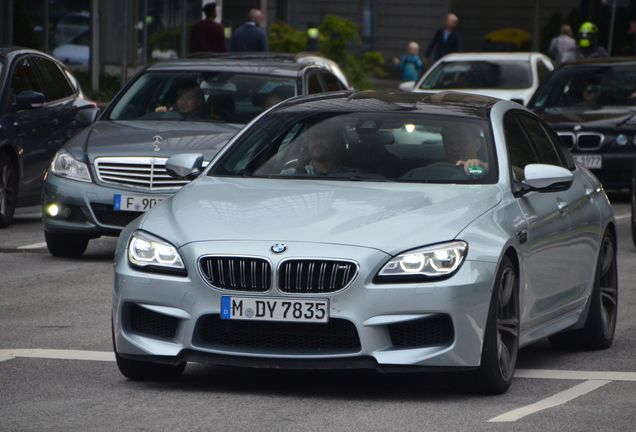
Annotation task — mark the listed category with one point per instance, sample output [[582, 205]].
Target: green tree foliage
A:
[[284, 38], [339, 40]]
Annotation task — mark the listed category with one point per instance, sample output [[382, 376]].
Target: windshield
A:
[[586, 87], [201, 96], [363, 147], [479, 74]]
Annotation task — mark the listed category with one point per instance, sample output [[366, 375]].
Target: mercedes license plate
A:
[[592, 161], [274, 309], [136, 203]]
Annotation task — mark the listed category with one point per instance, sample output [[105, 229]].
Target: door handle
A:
[[562, 206]]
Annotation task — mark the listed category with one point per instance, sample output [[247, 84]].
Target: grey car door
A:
[[545, 241]]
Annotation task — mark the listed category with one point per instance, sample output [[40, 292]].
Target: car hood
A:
[[391, 217], [136, 138], [604, 117]]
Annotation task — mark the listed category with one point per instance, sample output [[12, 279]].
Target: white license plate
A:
[[590, 161], [274, 309], [136, 203]]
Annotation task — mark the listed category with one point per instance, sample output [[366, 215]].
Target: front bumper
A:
[[374, 310], [89, 207]]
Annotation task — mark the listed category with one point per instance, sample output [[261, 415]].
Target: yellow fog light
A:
[[53, 210]]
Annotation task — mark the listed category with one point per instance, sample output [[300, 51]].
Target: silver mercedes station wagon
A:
[[367, 230]]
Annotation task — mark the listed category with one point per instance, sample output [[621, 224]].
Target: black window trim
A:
[[39, 74], [513, 114], [564, 160]]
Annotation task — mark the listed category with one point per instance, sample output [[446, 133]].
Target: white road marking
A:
[[575, 375], [7, 354], [33, 246], [4, 357], [551, 402], [623, 216]]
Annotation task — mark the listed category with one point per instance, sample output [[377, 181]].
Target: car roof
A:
[[491, 56], [247, 65], [9, 50], [443, 103]]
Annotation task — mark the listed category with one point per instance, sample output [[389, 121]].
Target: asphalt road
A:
[[51, 304]]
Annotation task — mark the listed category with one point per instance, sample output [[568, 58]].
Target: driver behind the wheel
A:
[[462, 145], [188, 102]]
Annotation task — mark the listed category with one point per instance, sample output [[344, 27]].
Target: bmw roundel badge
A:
[[278, 248]]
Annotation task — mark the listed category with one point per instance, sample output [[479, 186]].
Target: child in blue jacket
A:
[[410, 64]]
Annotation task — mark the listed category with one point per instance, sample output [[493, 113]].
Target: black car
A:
[[40, 102], [592, 106], [115, 169]]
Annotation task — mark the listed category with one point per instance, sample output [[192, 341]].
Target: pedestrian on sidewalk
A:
[[410, 64], [208, 35], [250, 37], [445, 41], [562, 48]]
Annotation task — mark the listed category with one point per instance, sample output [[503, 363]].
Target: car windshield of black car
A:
[[589, 87]]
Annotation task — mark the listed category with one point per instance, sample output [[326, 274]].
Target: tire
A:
[[8, 189], [600, 325], [136, 370], [65, 245], [501, 337]]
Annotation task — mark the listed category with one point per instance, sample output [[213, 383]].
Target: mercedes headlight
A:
[[153, 254], [430, 262], [67, 166]]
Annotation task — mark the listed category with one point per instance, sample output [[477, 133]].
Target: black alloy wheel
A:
[[600, 325], [8, 189], [501, 338]]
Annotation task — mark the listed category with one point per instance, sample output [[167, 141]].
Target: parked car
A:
[[76, 53], [363, 230], [115, 169], [591, 104], [39, 104], [511, 76], [71, 25], [307, 58]]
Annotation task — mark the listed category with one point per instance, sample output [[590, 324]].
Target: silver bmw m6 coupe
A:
[[398, 232]]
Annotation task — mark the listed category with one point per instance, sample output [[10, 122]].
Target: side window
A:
[[542, 143], [23, 78], [313, 84], [561, 149], [520, 151], [55, 83], [330, 82], [542, 72]]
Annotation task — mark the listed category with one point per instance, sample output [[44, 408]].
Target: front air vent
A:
[[315, 276], [237, 273]]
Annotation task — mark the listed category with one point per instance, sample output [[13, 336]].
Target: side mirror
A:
[[86, 116], [408, 86], [185, 165], [544, 178], [28, 99]]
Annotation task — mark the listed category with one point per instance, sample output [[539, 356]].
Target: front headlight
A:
[[67, 166], [153, 254], [430, 262]]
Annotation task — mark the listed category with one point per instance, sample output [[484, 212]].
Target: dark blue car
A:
[[41, 107]]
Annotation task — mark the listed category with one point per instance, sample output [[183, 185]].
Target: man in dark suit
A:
[[250, 37], [445, 41], [208, 35]]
